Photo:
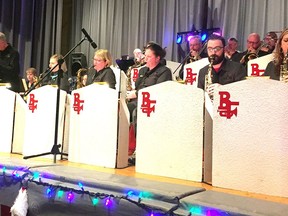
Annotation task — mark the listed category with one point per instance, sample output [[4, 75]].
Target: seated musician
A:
[[81, 78], [52, 78], [279, 63], [195, 53], [31, 76], [101, 72]]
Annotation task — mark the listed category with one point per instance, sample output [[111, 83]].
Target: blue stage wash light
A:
[[95, 201], [70, 196], [204, 37], [179, 39], [4, 169]]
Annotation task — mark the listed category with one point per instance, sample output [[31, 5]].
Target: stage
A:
[[67, 188]]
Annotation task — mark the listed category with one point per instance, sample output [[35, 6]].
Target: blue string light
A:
[[13, 177]]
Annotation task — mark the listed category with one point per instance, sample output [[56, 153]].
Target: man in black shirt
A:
[[9, 64], [223, 71]]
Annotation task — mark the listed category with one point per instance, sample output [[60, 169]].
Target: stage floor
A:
[[167, 194]]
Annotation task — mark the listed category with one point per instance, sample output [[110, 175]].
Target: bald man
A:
[[254, 45]]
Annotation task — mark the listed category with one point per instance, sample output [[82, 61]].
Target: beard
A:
[[216, 59]]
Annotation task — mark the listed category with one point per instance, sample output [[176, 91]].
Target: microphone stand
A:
[[55, 148]]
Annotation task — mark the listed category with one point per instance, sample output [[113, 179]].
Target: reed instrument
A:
[[284, 69], [209, 75]]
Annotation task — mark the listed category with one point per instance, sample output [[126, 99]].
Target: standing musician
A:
[[9, 64], [223, 71], [196, 52]]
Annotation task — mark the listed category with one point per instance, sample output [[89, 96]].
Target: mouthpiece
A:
[[211, 58]]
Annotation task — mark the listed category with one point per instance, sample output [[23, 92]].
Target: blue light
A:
[[179, 39], [204, 37]]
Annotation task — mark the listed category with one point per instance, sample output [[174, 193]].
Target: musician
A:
[[81, 78], [254, 46], [31, 76], [101, 72], [231, 48], [195, 48], [139, 57], [9, 64], [153, 73], [281, 50], [270, 40], [52, 78], [223, 70]]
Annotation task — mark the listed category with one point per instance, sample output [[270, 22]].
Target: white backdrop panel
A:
[[250, 149], [93, 132], [40, 123], [7, 98], [170, 141]]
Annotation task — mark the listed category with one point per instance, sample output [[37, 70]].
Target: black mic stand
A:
[[55, 148]]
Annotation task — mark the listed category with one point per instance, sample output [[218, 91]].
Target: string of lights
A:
[[67, 194]]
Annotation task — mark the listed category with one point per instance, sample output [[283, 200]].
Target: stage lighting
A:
[[189, 37], [179, 39], [203, 37], [217, 32]]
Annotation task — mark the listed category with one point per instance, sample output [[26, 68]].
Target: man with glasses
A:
[[254, 45], [223, 71], [195, 48]]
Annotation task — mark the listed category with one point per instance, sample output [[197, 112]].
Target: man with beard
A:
[[223, 70]]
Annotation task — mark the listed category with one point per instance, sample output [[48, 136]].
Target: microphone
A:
[[93, 44]]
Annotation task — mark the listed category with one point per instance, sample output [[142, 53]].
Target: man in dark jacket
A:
[[9, 64]]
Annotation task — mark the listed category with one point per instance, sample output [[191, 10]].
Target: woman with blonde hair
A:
[[101, 71], [280, 55]]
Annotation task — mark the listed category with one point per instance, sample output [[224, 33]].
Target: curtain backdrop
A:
[[33, 27], [40, 28]]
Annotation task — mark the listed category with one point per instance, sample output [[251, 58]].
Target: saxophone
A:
[[209, 75], [284, 69]]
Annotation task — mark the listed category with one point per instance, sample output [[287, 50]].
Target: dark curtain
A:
[[33, 27]]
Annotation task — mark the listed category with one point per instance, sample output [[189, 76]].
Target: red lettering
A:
[[146, 105], [224, 108], [78, 104]]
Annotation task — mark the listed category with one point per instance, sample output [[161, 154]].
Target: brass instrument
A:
[[284, 69], [209, 76], [128, 74], [252, 55], [198, 57]]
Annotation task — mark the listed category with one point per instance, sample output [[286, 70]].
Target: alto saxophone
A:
[[129, 83], [284, 69], [209, 76]]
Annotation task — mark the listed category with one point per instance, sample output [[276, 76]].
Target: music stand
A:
[[55, 148], [124, 64]]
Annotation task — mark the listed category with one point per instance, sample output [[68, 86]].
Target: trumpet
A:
[[252, 55]]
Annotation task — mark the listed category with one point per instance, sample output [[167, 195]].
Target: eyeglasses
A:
[[215, 49], [252, 42]]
